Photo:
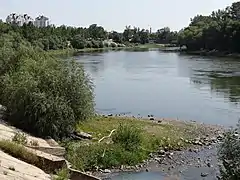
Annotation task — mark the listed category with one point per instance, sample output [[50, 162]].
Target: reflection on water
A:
[[167, 85]]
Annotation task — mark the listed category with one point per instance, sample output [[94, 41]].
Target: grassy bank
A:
[[89, 155]]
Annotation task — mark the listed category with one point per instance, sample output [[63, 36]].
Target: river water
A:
[[167, 85]]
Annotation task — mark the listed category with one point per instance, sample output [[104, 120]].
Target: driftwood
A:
[[105, 138]]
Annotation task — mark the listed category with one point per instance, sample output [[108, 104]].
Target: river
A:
[[166, 85]]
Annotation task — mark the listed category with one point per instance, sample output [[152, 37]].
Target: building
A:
[[41, 21], [19, 19]]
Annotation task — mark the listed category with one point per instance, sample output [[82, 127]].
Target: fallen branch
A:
[[107, 136]]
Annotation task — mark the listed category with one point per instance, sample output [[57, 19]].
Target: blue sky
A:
[[115, 14]]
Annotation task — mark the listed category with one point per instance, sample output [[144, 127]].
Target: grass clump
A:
[[18, 151], [62, 174], [128, 136], [229, 155], [20, 138], [94, 156]]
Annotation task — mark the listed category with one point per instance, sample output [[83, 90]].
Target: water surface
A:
[[166, 85]]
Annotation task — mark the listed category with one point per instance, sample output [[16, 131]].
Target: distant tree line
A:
[[219, 31], [53, 38]]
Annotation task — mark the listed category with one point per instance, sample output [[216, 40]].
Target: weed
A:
[[62, 174], [20, 138], [34, 143]]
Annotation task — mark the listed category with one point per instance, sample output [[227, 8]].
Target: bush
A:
[[95, 44], [89, 44], [128, 136], [20, 138], [101, 44], [105, 44], [229, 154], [47, 96]]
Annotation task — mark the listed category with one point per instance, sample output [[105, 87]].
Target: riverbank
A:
[[211, 54], [161, 139], [71, 51]]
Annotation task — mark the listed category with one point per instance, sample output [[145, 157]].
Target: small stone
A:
[[209, 165], [147, 170], [159, 121], [157, 159], [106, 171], [110, 115], [151, 119], [162, 152], [195, 150], [204, 174]]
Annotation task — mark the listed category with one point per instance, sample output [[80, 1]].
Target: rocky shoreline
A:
[[201, 154]]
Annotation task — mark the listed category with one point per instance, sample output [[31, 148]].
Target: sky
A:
[[115, 14]]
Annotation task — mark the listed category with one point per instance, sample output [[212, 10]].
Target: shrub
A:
[[89, 44], [128, 136], [95, 44], [20, 138], [47, 96], [105, 44], [101, 44], [229, 154]]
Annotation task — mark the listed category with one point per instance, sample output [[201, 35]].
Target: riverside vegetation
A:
[[48, 96]]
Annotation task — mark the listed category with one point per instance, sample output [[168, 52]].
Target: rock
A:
[[159, 121], [195, 150], [83, 135], [204, 174], [106, 171], [161, 152], [151, 119], [158, 159], [147, 170], [110, 115], [209, 165]]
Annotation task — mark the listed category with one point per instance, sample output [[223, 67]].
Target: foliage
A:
[[145, 136], [128, 136], [229, 154], [219, 31], [89, 157], [20, 138], [46, 96], [62, 174]]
